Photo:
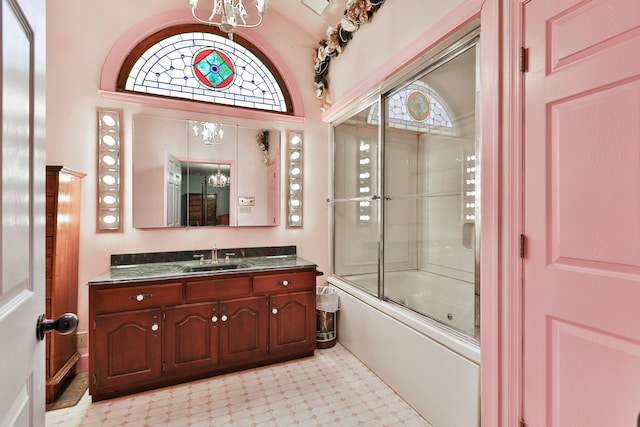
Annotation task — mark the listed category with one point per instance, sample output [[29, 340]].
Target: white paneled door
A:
[[22, 254], [582, 213]]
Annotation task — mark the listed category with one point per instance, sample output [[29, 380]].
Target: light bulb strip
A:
[[295, 178], [109, 171]]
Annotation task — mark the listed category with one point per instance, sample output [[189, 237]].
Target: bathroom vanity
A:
[[155, 324]]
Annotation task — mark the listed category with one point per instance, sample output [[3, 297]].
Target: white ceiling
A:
[[315, 25]]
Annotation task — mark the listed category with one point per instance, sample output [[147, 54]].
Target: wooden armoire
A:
[[63, 191], [199, 209]]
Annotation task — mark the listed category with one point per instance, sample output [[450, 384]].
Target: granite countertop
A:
[[159, 267]]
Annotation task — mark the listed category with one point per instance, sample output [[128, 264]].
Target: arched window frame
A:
[[178, 30], [154, 24]]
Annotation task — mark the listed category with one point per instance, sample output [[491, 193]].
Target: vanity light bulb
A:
[[295, 187], [109, 200], [295, 155], [295, 203], [295, 218], [109, 219], [365, 161], [108, 160], [295, 171], [108, 120], [109, 140], [295, 140], [109, 179]]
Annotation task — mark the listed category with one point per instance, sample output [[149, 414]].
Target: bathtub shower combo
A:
[[405, 211]]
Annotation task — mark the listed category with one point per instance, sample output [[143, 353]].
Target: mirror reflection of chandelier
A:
[[219, 180], [207, 133], [226, 14]]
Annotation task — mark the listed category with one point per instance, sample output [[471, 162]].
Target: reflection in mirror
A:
[[194, 174], [208, 197]]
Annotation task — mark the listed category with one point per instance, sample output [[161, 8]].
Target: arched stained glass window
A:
[[417, 107], [197, 63]]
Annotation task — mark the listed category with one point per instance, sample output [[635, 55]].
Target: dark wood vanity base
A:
[[150, 334]]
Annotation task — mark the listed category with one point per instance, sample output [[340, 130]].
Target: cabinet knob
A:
[[274, 310], [284, 282], [155, 327], [140, 297], [224, 317], [214, 319]]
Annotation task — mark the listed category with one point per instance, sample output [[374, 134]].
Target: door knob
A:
[[63, 325]]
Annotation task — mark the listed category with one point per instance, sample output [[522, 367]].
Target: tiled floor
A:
[[333, 388]]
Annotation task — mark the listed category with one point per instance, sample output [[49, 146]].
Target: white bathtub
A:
[[432, 367], [445, 299]]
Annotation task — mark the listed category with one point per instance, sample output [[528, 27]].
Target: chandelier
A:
[[219, 180], [207, 133], [228, 15]]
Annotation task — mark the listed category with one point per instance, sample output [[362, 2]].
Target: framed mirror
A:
[[190, 173]]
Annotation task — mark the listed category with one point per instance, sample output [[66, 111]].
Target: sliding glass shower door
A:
[[430, 181], [356, 201], [406, 196]]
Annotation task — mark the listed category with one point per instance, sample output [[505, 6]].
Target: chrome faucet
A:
[[214, 254]]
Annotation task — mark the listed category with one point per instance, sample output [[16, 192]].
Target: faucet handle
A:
[[201, 256], [227, 255]]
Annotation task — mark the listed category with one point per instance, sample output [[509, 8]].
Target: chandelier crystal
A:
[[207, 133], [228, 15], [219, 180]]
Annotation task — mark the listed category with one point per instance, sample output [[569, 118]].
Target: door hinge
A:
[[164, 315], [523, 59], [94, 324], [523, 241], [522, 424], [164, 366], [95, 378]]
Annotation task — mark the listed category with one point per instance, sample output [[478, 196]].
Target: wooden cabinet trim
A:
[[284, 282], [137, 297], [217, 289]]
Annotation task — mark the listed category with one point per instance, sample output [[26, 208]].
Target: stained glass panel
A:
[[206, 67], [417, 107]]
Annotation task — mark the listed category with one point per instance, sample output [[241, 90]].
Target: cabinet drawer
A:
[[133, 297], [216, 289], [284, 282]]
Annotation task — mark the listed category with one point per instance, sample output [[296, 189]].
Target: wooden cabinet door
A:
[[130, 348], [243, 330], [191, 338], [292, 323]]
